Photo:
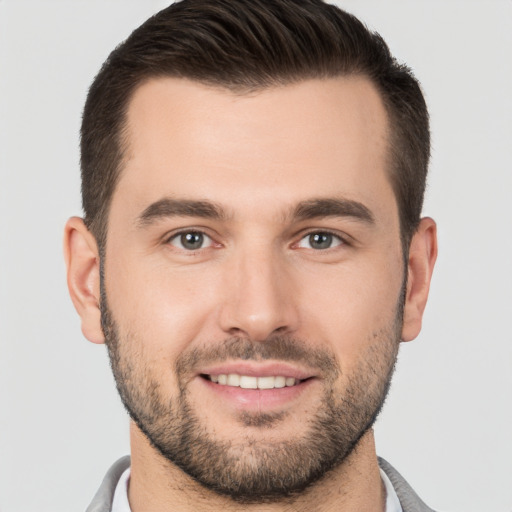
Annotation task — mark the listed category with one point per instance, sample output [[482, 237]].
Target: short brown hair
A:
[[247, 45]]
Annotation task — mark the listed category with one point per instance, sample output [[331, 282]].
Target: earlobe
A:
[[422, 257], [83, 276]]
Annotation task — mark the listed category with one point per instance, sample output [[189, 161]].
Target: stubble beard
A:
[[250, 470]]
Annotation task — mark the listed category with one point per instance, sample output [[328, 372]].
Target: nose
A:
[[260, 297]]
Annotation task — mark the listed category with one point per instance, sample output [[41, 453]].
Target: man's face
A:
[[253, 242]]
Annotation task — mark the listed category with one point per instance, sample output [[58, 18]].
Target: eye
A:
[[190, 240], [320, 240]]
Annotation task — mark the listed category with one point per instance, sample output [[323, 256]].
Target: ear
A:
[[83, 276], [422, 257]]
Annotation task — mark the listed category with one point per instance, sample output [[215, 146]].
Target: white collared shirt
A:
[[121, 503], [392, 501]]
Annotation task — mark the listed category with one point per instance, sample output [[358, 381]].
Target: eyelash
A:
[[176, 236], [342, 241]]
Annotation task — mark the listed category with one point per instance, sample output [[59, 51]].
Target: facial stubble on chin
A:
[[250, 470]]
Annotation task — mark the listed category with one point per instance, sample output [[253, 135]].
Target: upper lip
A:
[[253, 369]]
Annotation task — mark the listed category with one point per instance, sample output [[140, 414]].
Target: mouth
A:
[[255, 386], [251, 381]]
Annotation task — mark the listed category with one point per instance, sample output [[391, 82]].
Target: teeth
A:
[[248, 382], [233, 380], [266, 382], [279, 382]]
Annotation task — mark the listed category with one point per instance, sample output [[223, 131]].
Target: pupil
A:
[[192, 240], [320, 240]]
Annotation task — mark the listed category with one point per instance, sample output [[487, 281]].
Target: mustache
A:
[[277, 347]]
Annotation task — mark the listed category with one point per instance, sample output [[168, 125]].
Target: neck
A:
[[158, 485]]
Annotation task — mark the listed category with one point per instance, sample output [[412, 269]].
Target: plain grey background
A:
[[447, 424]]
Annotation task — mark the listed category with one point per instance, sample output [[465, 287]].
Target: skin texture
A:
[[263, 172]]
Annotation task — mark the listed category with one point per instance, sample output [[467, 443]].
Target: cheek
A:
[[164, 307], [349, 307]]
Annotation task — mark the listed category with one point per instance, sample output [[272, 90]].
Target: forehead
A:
[[314, 138]]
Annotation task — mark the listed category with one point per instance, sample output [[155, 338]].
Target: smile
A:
[[252, 382]]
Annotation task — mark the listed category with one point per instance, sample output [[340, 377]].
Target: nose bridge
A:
[[259, 298]]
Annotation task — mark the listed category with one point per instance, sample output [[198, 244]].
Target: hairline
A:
[[99, 224]]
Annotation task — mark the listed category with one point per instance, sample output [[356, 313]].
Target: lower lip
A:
[[257, 399]]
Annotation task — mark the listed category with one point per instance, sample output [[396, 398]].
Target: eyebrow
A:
[[333, 207], [168, 207], [305, 210]]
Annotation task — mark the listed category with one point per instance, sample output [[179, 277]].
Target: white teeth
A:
[[279, 382], [248, 382], [266, 382], [233, 380]]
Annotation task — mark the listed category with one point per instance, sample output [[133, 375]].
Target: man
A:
[[252, 254]]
